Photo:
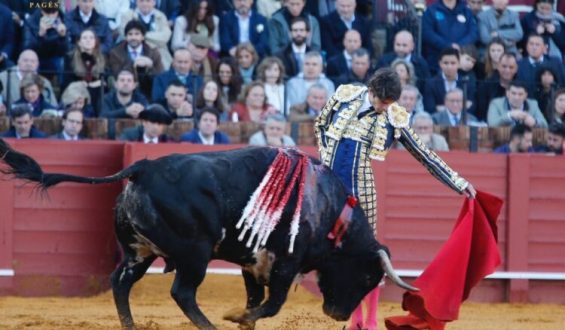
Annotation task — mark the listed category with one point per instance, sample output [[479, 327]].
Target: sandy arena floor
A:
[[154, 309]]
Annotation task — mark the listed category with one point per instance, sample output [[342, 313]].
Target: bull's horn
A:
[[387, 267]]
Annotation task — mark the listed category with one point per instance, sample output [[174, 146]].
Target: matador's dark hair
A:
[[385, 84]]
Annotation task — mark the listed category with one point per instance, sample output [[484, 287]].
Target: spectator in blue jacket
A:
[[207, 130], [46, 33], [446, 23], [241, 25], [85, 16], [548, 23]]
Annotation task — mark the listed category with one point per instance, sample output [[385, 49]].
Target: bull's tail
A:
[[24, 167]]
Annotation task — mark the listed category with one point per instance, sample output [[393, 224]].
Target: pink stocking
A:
[[357, 318], [372, 302]]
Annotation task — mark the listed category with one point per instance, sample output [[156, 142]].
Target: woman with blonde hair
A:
[[271, 73], [252, 105], [405, 71], [86, 63], [247, 59], [77, 97], [31, 88]]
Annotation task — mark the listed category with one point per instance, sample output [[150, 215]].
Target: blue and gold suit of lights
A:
[[350, 137]]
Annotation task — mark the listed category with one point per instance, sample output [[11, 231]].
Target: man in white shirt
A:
[[453, 114]]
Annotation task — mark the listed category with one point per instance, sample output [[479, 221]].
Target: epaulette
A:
[[398, 116], [347, 93]]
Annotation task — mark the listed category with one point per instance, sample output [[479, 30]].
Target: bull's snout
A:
[[332, 312]]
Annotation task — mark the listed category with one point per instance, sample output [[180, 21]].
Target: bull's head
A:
[[345, 280]]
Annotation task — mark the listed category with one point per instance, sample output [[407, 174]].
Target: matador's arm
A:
[[433, 163]]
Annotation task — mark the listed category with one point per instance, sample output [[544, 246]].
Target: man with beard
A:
[[554, 140], [243, 25], [124, 101], [136, 55], [293, 55], [279, 26], [520, 141]]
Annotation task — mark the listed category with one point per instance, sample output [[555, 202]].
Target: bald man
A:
[[28, 63], [404, 49], [340, 64]]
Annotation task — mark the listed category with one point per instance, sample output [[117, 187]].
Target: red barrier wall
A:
[[63, 243], [416, 214]]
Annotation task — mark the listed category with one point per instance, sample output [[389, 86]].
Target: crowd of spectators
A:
[[269, 61]]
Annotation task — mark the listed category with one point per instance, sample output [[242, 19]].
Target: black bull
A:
[[184, 208]]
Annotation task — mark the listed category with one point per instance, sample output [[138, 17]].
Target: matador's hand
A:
[[470, 191]]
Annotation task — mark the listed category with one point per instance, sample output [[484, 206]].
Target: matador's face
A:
[[379, 105]]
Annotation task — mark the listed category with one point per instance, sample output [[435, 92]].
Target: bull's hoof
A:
[[237, 315], [240, 316]]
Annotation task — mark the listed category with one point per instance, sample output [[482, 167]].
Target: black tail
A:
[[24, 167]]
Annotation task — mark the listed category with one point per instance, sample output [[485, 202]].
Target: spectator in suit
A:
[[549, 24], [496, 85], [154, 121], [207, 130], [112, 10], [535, 58], [310, 109], [340, 21], [313, 73], [515, 108], [340, 64], [271, 73], [203, 64], [423, 125], [21, 121], [243, 25], [158, 32], [293, 55], [210, 96], [73, 120], [46, 33], [181, 70], [85, 16], [521, 138], [31, 93], [177, 101], [554, 140], [136, 55], [360, 69], [453, 113], [86, 63], [268, 7], [273, 133], [124, 101], [253, 105], [28, 63], [556, 111], [404, 49], [446, 23], [500, 22], [447, 79], [199, 19], [228, 78], [7, 38], [247, 59], [279, 26]]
